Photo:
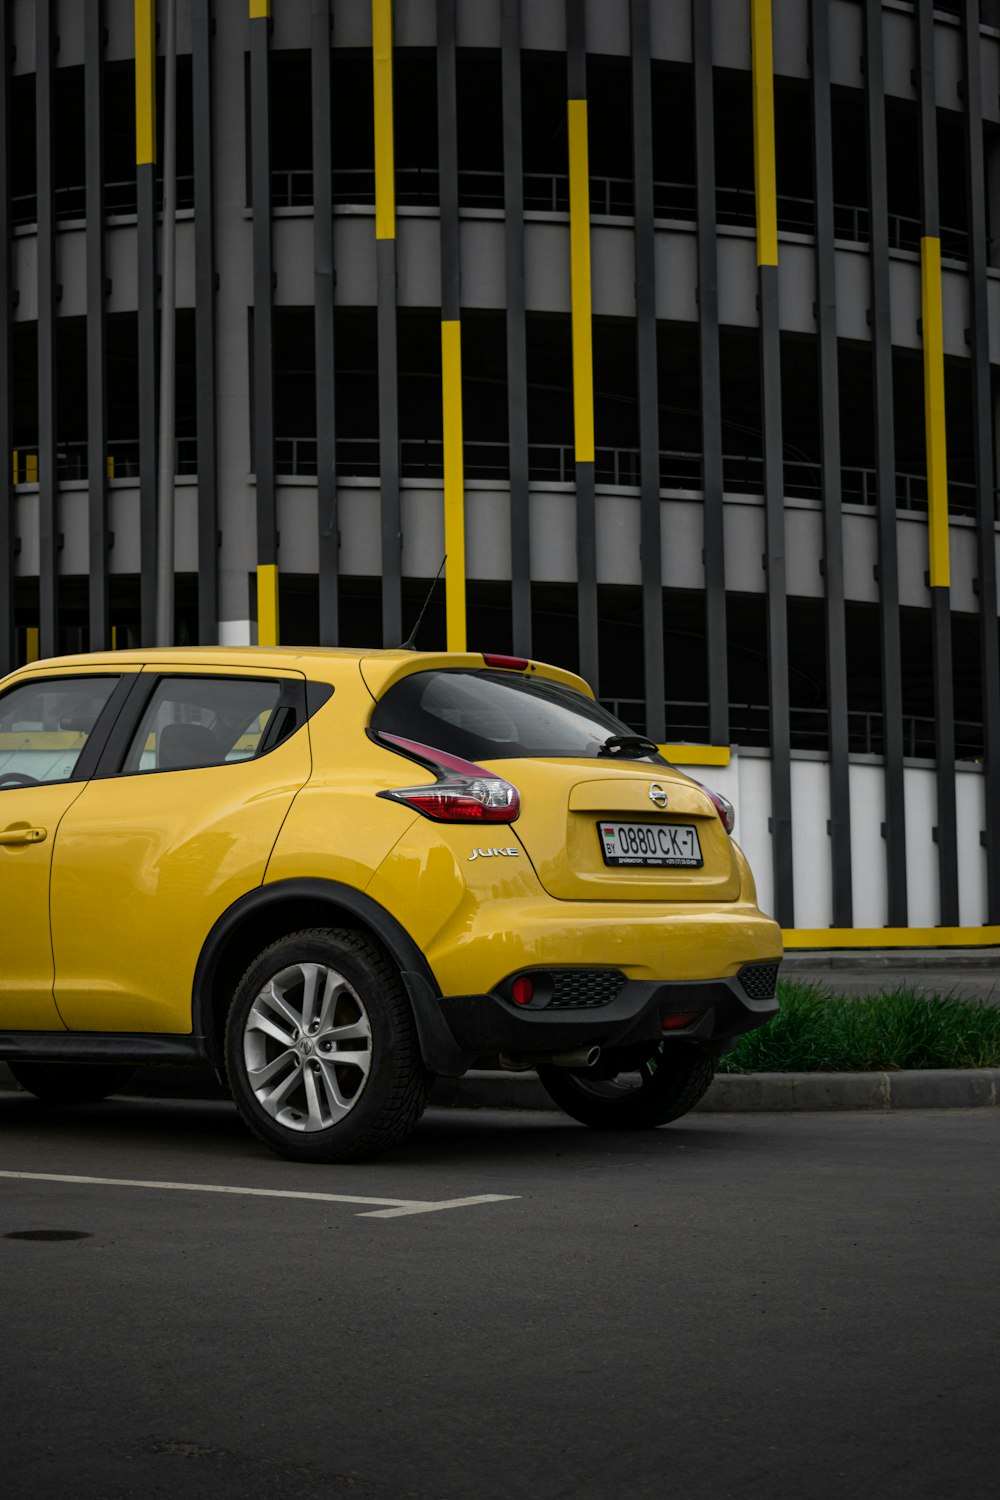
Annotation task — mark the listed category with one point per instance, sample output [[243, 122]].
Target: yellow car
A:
[[341, 873]]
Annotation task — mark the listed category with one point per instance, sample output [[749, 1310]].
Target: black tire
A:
[[648, 1091], [339, 1076], [70, 1083]]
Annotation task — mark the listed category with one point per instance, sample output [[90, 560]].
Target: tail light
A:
[[462, 793], [722, 805]]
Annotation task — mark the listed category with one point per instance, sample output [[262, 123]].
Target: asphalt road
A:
[[754, 1306]]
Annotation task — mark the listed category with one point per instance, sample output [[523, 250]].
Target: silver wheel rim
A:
[[307, 1047]]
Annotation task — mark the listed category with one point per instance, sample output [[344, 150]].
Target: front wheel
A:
[[70, 1083], [321, 1049], [643, 1091]]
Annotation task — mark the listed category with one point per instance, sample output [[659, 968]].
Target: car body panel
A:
[[562, 802], [26, 999], [146, 865], [338, 829], [479, 919]]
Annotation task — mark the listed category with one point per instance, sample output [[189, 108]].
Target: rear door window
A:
[[497, 715], [208, 721]]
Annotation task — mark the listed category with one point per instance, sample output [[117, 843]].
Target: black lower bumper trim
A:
[[484, 1024]]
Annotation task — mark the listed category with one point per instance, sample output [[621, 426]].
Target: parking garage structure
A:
[[662, 330]]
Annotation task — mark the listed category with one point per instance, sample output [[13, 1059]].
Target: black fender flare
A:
[[438, 1048]]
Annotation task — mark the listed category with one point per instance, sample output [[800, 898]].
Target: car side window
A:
[[44, 727], [202, 721]]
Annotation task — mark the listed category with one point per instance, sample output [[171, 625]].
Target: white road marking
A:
[[418, 1207], [388, 1208]]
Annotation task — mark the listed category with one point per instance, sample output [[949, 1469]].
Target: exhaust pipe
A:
[[522, 1062]]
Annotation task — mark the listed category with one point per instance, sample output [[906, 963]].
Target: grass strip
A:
[[818, 1032]]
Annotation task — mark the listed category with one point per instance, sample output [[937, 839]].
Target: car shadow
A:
[[122, 1129]]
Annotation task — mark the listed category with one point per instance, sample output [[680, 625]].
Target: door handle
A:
[[23, 835]]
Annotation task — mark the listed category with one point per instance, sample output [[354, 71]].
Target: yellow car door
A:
[[160, 844], [45, 728]]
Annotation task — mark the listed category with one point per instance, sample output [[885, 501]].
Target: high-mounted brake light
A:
[[511, 663], [463, 791]]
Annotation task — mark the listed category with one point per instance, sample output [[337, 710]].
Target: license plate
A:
[[650, 844]]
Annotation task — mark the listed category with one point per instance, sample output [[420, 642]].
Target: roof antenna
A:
[[410, 643]]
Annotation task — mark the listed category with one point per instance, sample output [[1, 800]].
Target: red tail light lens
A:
[[462, 799], [723, 806], [725, 810], [463, 791], [679, 1020], [523, 989], [511, 663]]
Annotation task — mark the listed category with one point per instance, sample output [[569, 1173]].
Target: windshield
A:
[[496, 716]]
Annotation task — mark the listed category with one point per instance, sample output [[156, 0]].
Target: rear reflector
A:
[[510, 663], [679, 1020], [523, 989]]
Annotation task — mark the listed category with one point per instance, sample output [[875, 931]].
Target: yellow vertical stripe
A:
[[31, 648], [385, 181], [937, 458], [145, 82], [267, 604], [31, 468], [579, 249], [260, 10], [15, 478], [454, 484], [763, 133]]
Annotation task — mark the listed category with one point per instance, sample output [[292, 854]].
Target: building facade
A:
[[665, 330]]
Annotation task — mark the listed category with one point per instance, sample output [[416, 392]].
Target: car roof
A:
[[380, 667]]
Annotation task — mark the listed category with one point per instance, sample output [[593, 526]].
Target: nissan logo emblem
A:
[[657, 794]]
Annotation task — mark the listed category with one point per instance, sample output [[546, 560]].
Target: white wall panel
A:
[[868, 864], [971, 808], [754, 800], [811, 843], [487, 534], [552, 524], [358, 517], [923, 895]]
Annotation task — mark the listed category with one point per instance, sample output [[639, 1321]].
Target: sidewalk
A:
[[965, 974]]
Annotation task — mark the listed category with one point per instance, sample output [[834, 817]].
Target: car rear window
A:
[[497, 715]]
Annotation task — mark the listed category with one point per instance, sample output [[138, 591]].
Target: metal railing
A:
[[749, 725], [545, 192], [548, 192], [119, 198], [122, 460], [555, 463]]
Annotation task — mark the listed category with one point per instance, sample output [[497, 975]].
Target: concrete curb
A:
[[731, 1093], [738, 1093]]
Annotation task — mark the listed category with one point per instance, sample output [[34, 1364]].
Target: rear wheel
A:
[[639, 1093], [321, 1049], [70, 1083]]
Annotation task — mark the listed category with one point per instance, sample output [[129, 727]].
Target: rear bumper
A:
[[470, 1027]]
